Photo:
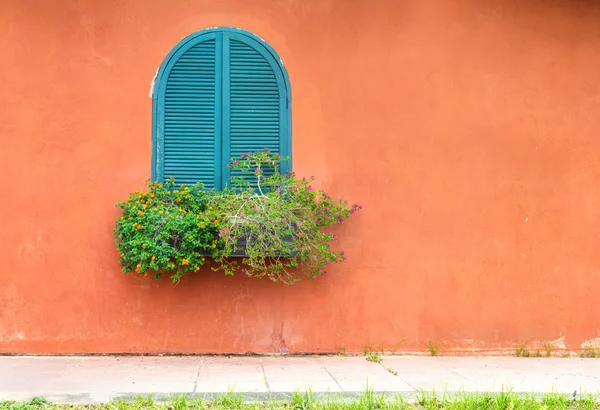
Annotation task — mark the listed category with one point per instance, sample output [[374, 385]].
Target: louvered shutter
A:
[[219, 93], [255, 100], [189, 123]]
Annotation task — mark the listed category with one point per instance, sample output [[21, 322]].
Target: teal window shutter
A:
[[255, 99], [220, 92]]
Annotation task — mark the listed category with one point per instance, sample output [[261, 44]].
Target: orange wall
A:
[[468, 129]]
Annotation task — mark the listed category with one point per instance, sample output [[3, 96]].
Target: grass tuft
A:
[[374, 357], [588, 352], [433, 346], [304, 400], [548, 346], [522, 351]]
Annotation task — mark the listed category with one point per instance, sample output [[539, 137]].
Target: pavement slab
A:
[[92, 379]]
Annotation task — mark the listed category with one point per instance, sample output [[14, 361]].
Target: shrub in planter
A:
[[277, 222]]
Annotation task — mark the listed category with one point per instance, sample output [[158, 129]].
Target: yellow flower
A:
[[178, 200], [138, 267], [216, 221], [210, 207], [153, 257], [214, 245], [197, 268], [145, 274], [176, 192], [141, 213], [202, 225], [122, 255], [139, 226], [203, 259], [172, 179], [151, 194], [184, 261], [146, 206], [129, 219], [160, 212]]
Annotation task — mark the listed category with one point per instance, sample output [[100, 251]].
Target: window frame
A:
[[159, 89]]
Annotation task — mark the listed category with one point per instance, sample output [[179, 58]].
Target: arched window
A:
[[219, 92]]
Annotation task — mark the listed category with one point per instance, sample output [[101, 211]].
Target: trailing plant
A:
[[276, 221]]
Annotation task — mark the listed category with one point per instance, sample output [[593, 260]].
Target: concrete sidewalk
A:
[[101, 379]]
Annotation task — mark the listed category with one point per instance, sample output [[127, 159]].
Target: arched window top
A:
[[218, 93]]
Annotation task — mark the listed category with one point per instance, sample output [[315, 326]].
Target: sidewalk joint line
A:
[[264, 375], [334, 379], [197, 377], [400, 378]]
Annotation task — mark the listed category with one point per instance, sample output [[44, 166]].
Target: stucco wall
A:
[[468, 129]]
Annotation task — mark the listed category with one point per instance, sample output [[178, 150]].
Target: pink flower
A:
[[242, 155], [353, 211]]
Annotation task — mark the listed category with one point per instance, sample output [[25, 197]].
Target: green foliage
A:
[[304, 400], [276, 221], [374, 357], [166, 230], [35, 403], [367, 400]]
